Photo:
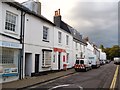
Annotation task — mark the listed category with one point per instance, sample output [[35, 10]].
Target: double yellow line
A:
[[112, 87]]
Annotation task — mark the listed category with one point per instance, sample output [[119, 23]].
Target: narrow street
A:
[[93, 79]]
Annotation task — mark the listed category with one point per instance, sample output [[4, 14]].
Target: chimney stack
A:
[[33, 5], [86, 39], [57, 18]]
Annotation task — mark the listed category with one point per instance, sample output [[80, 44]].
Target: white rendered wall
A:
[[16, 34], [34, 40], [62, 45], [3, 8]]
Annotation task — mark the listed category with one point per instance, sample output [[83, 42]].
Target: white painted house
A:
[[62, 49], [38, 42], [76, 46], [62, 44], [10, 47], [92, 53], [102, 56]]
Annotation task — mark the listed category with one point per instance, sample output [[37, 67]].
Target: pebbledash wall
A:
[[9, 42]]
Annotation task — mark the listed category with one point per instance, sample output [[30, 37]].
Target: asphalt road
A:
[[94, 79]]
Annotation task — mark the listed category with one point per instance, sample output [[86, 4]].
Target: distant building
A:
[[92, 53]]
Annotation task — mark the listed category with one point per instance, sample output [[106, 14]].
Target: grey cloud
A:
[[101, 21]]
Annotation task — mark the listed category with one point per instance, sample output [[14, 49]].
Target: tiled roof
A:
[[65, 27], [76, 35]]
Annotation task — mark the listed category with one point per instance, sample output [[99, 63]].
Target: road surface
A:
[[94, 79]]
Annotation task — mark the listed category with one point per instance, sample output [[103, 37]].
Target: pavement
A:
[[31, 81]]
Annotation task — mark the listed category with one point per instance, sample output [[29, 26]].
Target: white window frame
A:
[[11, 22], [59, 37], [45, 33], [46, 58], [67, 40]]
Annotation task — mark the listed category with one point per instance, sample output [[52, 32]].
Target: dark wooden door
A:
[[36, 63], [59, 58]]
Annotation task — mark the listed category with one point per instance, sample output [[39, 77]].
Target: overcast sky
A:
[[97, 19]]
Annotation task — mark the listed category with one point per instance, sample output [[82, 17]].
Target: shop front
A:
[[59, 59], [9, 59]]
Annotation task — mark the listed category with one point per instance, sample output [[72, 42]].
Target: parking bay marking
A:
[[65, 85]]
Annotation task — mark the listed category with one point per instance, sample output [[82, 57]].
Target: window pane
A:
[[45, 33], [59, 37], [46, 58], [10, 23], [67, 39], [7, 56]]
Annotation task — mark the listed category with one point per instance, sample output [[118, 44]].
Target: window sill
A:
[[46, 66], [45, 40], [11, 32]]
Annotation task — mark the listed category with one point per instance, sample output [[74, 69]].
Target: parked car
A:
[[107, 61], [82, 64], [102, 62], [116, 60]]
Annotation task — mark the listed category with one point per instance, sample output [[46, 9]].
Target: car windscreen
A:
[[81, 61], [77, 61]]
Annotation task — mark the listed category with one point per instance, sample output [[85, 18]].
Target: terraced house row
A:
[[30, 44]]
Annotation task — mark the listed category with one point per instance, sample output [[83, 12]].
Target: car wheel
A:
[[86, 69], [76, 70], [90, 68]]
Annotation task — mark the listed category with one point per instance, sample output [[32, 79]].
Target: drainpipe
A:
[[22, 42]]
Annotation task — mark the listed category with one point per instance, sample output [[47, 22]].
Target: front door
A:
[[36, 63], [59, 58]]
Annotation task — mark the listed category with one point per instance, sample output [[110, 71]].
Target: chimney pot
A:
[[59, 12], [55, 13]]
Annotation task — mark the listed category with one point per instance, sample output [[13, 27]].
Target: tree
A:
[[112, 52], [102, 47], [107, 51]]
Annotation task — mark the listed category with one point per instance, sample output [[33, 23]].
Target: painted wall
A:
[[34, 40], [102, 55], [78, 50], [6, 7], [89, 50], [9, 43], [62, 45]]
